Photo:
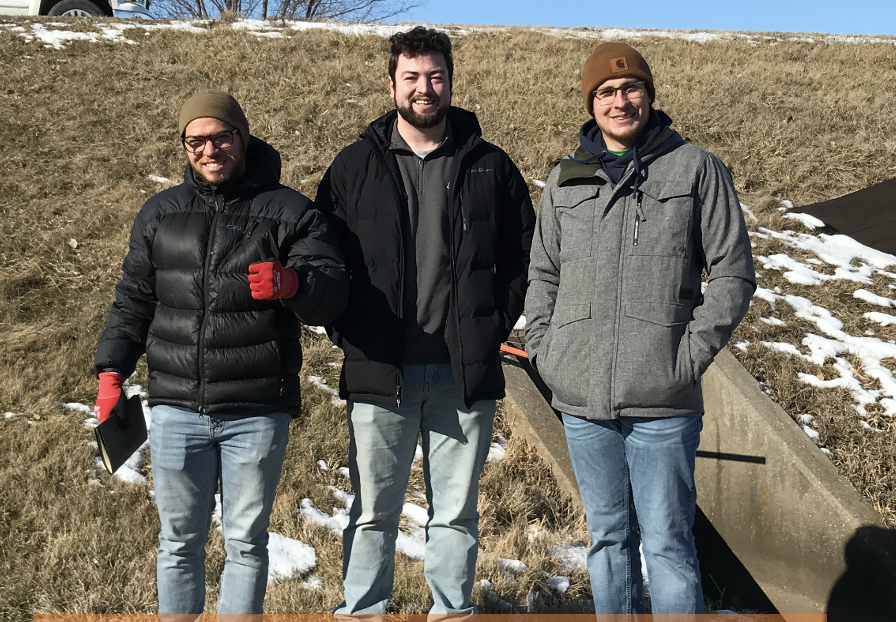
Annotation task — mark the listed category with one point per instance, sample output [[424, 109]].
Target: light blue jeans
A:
[[455, 442], [190, 453], [634, 472]]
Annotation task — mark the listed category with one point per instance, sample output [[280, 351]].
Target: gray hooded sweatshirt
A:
[[617, 324]]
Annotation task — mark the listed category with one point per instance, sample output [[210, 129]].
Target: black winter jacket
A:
[[184, 296], [490, 228]]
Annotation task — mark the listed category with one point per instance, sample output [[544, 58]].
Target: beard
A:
[[219, 177], [423, 121]]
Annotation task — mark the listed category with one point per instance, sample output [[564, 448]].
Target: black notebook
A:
[[122, 433]]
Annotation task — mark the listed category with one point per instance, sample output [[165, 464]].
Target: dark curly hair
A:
[[417, 42]]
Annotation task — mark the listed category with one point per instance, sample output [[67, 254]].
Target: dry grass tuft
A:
[[84, 127]]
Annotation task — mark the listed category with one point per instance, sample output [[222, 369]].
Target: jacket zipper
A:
[[251, 228], [219, 206], [639, 218]]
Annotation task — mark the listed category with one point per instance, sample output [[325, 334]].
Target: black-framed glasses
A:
[[631, 91], [221, 140]]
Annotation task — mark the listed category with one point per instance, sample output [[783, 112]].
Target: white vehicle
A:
[[77, 8]]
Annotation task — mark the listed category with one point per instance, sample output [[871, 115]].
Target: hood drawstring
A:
[[637, 183]]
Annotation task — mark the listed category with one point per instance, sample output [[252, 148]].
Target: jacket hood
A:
[[592, 154], [464, 126], [262, 169]]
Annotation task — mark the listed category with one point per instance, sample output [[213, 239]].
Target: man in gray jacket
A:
[[621, 328]]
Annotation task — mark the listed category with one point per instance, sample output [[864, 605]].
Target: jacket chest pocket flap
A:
[[575, 214], [668, 207]]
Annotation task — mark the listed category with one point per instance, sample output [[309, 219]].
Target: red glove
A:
[[107, 398], [270, 280]]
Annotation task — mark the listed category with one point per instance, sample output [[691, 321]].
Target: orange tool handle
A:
[[515, 351]]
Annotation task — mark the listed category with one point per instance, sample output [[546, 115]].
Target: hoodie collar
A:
[[592, 155]]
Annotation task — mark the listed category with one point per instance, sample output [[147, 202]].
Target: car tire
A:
[[76, 8]]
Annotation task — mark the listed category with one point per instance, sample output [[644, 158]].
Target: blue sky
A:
[[870, 17]]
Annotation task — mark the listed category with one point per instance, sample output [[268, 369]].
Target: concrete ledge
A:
[[800, 530], [530, 416], [774, 497]]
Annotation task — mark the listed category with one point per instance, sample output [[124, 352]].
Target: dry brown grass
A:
[[83, 127]]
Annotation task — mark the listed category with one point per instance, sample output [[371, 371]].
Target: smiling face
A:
[[421, 89], [212, 164], [624, 119]]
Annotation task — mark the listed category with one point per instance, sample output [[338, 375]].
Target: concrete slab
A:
[[795, 526], [773, 496]]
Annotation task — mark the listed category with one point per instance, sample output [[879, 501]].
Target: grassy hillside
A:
[[85, 126]]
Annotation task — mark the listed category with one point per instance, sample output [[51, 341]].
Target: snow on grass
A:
[[498, 448], [833, 343], [411, 541], [773, 321], [55, 35], [807, 220], [558, 585], [320, 330], [880, 301], [8, 415], [881, 318], [321, 384], [288, 558], [839, 251], [510, 567]]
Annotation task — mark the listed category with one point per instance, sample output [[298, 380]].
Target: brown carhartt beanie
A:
[[217, 105], [614, 60]]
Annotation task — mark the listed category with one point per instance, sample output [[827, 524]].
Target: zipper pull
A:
[[398, 395], [635, 239], [251, 228]]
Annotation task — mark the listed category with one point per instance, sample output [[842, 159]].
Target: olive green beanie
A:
[[614, 60], [217, 105]]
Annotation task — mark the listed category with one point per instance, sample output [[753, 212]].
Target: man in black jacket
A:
[[220, 273], [435, 224]]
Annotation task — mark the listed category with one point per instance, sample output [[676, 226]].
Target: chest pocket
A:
[[576, 217], [665, 228]]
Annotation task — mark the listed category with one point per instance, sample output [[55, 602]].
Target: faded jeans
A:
[[455, 442], [190, 453], [636, 478]]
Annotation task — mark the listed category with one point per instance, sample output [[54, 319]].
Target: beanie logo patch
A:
[[618, 64]]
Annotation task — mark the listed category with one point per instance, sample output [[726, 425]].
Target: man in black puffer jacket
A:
[[221, 271], [436, 225]]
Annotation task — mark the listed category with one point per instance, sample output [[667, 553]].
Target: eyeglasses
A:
[[632, 91], [221, 140]]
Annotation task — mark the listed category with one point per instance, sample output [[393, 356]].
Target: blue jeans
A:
[[632, 473], [455, 442], [189, 454]]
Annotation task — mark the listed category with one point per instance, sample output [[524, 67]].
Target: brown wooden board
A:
[[868, 216]]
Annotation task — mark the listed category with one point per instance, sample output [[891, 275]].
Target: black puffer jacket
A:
[[490, 226], [184, 295]]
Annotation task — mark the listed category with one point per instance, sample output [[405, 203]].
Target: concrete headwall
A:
[[772, 495]]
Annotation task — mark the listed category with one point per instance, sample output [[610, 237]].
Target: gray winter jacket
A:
[[616, 322]]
